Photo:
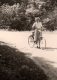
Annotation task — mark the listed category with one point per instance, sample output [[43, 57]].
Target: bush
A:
[[22, 22], [50, 25]]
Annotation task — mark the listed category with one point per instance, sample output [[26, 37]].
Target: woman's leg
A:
[[39, 43], [38, 39], [35, 35]]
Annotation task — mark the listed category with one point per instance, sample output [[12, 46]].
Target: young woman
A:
[[37, 26]]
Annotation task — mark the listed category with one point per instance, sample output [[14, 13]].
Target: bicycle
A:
[[41, 42]]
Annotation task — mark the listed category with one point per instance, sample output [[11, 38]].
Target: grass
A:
[[15, 65]]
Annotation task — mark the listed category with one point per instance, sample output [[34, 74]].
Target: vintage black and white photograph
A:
[[28, 39]]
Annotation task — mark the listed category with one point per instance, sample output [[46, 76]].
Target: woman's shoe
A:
[[38, 47], [35, 42]]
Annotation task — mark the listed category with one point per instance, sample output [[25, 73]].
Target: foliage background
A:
[[20, 14]]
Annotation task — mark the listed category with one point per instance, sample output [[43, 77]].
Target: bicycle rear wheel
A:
[[31, 41], [43, 43]]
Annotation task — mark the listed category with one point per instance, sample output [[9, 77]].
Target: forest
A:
[[20, 14]]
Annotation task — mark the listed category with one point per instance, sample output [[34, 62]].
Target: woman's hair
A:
[[37, 19]]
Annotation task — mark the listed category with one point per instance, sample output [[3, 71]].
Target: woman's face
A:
[[37, 20]]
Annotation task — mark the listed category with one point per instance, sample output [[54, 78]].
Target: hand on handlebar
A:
[[43, 29]]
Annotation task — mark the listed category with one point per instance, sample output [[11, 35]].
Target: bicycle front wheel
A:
[[43, 43], [31, 41]]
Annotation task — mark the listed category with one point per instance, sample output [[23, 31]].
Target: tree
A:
[[11, 2]]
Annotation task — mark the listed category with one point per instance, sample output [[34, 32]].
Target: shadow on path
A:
[[51, 48], [15, 65], [49, 70]]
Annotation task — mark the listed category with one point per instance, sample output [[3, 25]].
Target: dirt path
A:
[[20, 41]]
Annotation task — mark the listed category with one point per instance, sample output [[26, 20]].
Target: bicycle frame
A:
[[41, 41]]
